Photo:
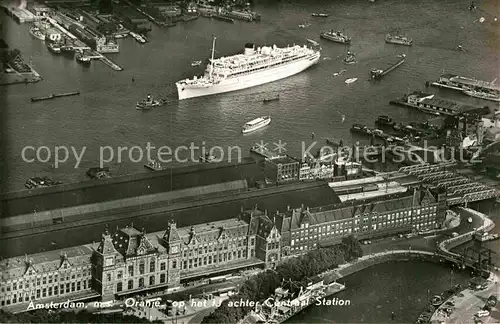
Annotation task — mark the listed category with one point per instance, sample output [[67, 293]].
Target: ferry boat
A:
[[255, 124], [351, 80], [482, 94], [147, 103], [252, 68], [336, 36], [54, 47], [138, 37], [37, 33], [153, 165], [82, 59], [350, 58], [323, 15], [196, 63], [398, 40]]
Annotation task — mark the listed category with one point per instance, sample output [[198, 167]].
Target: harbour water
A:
[[404, 288], [313, 101]]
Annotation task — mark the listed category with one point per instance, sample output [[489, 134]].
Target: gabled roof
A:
[[129, 241]]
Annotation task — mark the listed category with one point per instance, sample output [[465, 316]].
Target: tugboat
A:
[[147, 103], [398, 40], [82, 59], [336, 36], [98, 173], [207, 158], [36, 32], [54, 47], [154, 165], [350, 58]]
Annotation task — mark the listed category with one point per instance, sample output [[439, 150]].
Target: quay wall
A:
[[95, 191]]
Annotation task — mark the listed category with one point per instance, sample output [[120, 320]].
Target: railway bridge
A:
[[459, 189]]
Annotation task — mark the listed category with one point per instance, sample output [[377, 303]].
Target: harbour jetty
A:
[[380, 73], [53, 96]]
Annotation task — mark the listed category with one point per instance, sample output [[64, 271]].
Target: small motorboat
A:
[[147, 103], [312, 42], [196, 63], [271, 99], [207, 158], [153, 165], [351, 80], [304, 25], [339, 73]]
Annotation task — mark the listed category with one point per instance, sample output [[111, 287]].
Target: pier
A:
[[379, 73], [20, 15]]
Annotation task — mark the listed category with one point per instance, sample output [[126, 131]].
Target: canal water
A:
[[404, 288], [313, 101]]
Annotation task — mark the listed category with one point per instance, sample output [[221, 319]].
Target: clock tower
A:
[[105, 261], [172, 243]]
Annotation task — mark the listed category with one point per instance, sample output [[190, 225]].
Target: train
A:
[[356, 189]]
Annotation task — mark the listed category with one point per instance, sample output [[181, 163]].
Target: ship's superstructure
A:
[[253, 67], [398, 40]]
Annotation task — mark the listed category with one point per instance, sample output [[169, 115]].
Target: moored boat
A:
[[54, 47], [482, 94], [37, 32], [384, 121], [255, 124], [336, 36], [207, 158], [82, 59]]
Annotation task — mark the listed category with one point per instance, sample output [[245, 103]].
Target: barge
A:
[[426, 103], [379, 73], [53, 96]]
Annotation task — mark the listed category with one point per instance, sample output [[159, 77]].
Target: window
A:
[[174, 264], [78, 286], [162, 266], [120, 275], [162, 278], [151, 280], [141, 282], [108, 277], [119, 286], [131, 270], [152, 266], [141, 267], [130, 284], [55, 290]]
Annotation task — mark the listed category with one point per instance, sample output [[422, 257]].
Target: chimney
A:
[[288, 208]]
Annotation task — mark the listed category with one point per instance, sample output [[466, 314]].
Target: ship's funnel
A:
[[249, 49]]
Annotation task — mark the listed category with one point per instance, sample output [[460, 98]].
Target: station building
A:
[[131, 261]]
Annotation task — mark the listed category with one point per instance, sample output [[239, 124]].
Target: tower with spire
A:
[[105, 259]]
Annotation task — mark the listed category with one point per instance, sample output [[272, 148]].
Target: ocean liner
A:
[[252, 68]]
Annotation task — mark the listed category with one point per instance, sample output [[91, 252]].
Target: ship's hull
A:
[[482, 96], [395, 42], [263, 124], [248, 81]]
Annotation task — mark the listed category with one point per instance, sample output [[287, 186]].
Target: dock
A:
[[53, 96], [20, 15], [380, 73]]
